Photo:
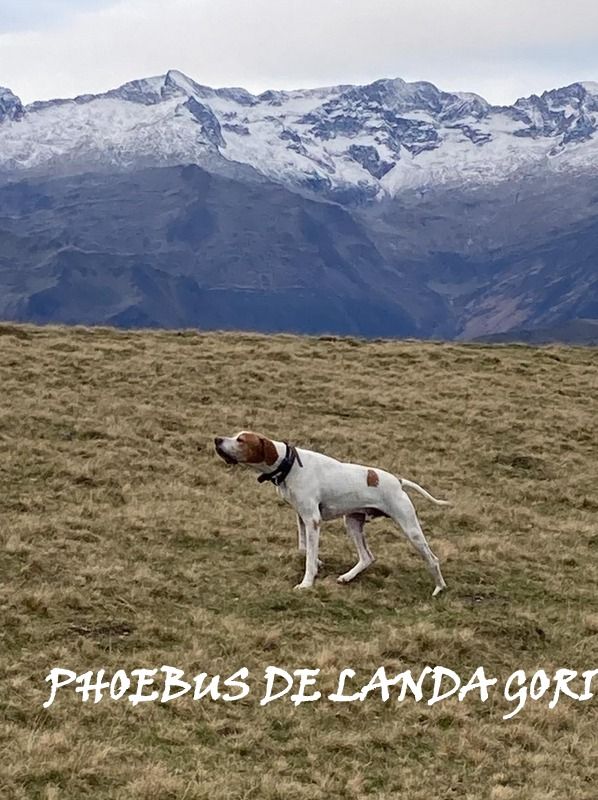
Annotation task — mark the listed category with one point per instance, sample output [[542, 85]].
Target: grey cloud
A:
[[500, 50]]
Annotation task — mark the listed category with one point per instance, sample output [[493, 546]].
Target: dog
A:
[[320, 488]]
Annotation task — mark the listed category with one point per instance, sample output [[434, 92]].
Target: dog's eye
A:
[[241, 438]]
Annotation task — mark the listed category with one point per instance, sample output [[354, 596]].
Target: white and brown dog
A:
[[321, 488]]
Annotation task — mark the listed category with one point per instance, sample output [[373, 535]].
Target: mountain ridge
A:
[[352, 142]]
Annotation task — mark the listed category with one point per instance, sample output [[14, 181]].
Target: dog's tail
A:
[[411, 485]]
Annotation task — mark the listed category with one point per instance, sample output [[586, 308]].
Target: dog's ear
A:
[[270, 451], [252, 448]]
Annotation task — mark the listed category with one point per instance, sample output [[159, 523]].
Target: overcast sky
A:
[[502, 49]]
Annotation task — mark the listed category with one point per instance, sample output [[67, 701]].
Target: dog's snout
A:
[[218, 440]]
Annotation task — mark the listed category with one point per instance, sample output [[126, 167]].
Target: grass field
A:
[[125, 543]]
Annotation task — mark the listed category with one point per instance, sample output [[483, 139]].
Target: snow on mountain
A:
[[10, 105], [356, 141]]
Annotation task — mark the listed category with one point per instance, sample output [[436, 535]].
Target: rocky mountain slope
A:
[[178, 247], [388, 209]]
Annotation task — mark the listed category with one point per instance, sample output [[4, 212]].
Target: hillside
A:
[[126, 543], [193, 250], [579, 331]]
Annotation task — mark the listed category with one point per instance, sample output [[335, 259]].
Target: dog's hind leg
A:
[[403, 513], [354, 524]]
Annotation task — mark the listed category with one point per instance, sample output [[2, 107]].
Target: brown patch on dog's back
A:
[[373, 479]]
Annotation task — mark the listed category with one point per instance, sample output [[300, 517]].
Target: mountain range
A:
[[390, 209]]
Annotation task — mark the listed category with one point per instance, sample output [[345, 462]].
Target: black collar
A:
[[279, 475]]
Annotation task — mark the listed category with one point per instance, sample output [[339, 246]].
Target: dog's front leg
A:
[[301, 538], [300, 534], [312, 539]]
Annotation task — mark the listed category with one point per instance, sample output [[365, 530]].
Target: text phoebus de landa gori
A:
[[433, 685]]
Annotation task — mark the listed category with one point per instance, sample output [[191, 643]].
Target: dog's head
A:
[[246, 448]]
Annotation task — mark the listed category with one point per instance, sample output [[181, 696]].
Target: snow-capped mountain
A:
[[352, 142], [392, 209]]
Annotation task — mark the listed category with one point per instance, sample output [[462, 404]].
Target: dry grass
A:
[[126, 543]]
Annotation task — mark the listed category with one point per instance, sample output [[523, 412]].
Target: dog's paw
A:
[[303, 586], [343, 579], [438, 590]]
